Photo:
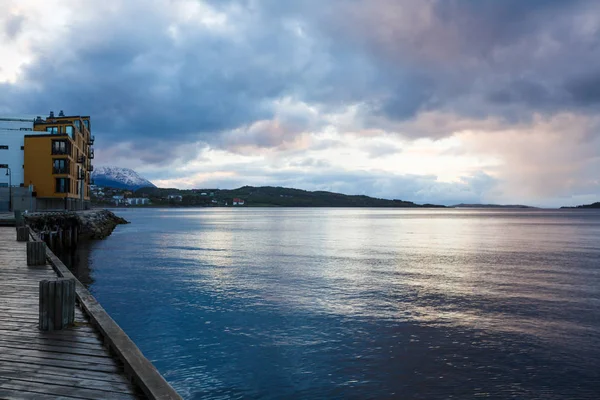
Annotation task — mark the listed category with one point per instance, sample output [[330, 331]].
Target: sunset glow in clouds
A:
[[441, 101]]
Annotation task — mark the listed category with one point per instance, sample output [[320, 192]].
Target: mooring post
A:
[[22, 233], [57, 304], [19, 219], [36, 253]]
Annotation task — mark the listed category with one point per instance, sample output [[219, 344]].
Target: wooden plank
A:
[[41, 376], [53, 348], [61, 372], [20, 325], [7, 350], [33, 324], [23, 395], [74, 344], [79, 317], [79, 365], [59, 390], [80, 337]]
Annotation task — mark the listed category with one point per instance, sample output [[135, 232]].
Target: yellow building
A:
[[58, 163]]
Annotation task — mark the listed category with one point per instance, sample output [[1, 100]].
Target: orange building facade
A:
[[58, 163]]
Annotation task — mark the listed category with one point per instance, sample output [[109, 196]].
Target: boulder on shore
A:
[[92, 224]]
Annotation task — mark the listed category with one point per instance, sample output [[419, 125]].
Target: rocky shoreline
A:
[[91, 224]]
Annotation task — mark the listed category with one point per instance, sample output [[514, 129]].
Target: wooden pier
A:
[[94, 359]]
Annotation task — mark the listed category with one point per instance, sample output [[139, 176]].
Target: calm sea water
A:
[[358, 303]]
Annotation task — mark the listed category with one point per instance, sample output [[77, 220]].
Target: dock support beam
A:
[[57, 304], [36, 253]]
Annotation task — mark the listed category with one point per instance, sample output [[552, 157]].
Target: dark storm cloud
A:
[[475, 58], [585, 90], [149, 78]]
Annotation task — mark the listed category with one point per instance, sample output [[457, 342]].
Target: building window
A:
[[61, 147], [63, 185], [69, 131], [87, 124], [3, 147], [52, 129], [60, 166], [78, 125], [22, 147]]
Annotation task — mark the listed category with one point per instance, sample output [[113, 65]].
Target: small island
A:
[[593, 205], [462, 205]]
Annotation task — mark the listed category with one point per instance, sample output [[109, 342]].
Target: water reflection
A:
[[78, 262], [357, 303]]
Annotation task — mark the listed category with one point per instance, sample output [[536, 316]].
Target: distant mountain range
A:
[[125, 178], [490, 206], [593, 205], [120, 178], [270, 196]]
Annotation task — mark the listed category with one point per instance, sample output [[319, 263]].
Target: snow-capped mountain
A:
[[122, 178]]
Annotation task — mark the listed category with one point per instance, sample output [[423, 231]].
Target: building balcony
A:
[[80, 159], [60, 152], [57, 171], [91, 154], [90, 168], [92, 138]]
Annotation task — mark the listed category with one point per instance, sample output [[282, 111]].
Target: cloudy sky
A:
[[441, 101]]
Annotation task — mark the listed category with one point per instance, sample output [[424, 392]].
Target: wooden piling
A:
[[57, 304], [19, 219], [36, 253], [75, 236], [67, 237], [59, 241], [22, 234]]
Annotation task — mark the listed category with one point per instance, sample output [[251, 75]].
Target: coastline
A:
[[89, 224]]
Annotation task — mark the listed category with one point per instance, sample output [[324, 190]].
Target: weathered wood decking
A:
[[72, 363]]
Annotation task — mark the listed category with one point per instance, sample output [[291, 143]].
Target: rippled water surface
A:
[[358, 303]]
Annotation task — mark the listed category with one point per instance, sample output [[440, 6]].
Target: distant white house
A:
[[238, 202], [138, 201], [175, 197], [119, 199]]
